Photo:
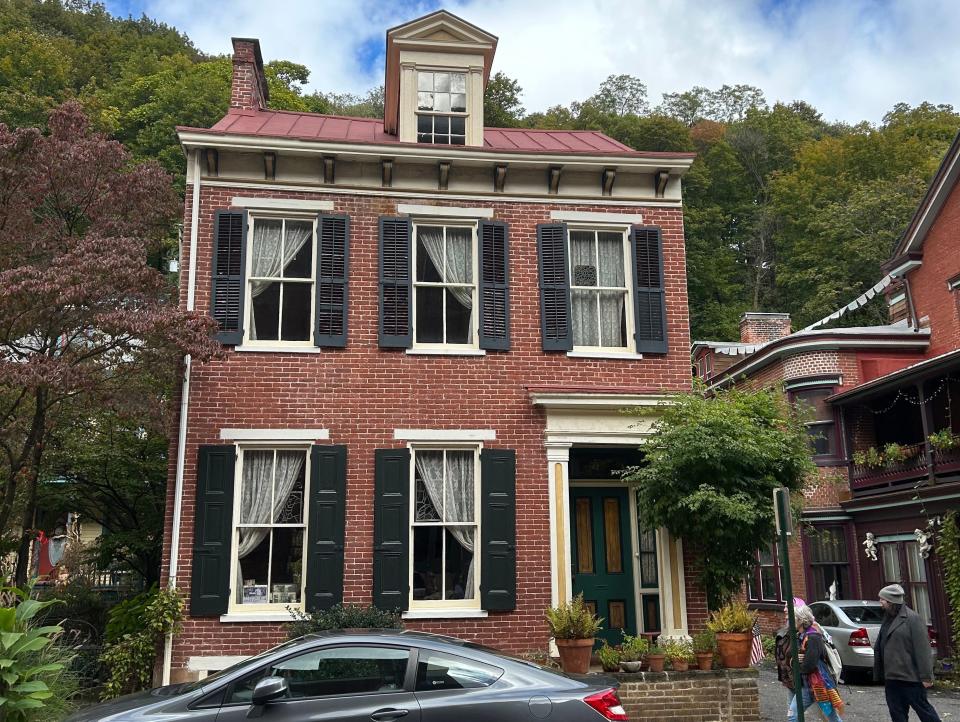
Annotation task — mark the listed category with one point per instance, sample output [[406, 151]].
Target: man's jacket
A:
[[903, 650]]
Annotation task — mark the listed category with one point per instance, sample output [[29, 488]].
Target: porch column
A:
[[926, 420], [673, 597], [558, 464]]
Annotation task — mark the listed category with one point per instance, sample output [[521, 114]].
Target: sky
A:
[[851, 59]]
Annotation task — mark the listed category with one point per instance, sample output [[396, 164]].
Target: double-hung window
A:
[[269, 529], [445, 289], [765, 583], [599, 286], [444, 530], [821, 428], [280, 280], [829, 565], [441, 107]]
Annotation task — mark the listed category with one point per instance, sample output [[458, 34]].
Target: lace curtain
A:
[[255, 507], [458, 262], [270, 254], [597, 265], [459, 498]]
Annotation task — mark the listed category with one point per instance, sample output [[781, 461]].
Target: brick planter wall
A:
[[728, 695]]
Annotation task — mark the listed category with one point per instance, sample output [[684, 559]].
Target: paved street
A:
[[865, 702]]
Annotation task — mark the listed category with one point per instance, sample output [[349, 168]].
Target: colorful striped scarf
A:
[[823, 688]]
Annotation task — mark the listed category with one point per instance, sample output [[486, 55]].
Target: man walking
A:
[[903, 660]]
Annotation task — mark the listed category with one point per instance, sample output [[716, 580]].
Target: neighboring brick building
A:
[[878, 393], [430, 330]]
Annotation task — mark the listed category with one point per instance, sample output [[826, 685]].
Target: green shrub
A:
[[677, 650], [28, 671], [733, 617], [82, 610], [769, 643], [610, 657], [131, 659], [633, 649], [573, 620], [704, 642], [126, 617], [342, 616]]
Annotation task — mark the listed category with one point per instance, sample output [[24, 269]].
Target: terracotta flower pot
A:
[[734, 649], [680, 665], [575, 655], [705, 661], [656, 662]]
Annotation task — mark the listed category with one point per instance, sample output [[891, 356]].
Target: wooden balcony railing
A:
[[917, 466]]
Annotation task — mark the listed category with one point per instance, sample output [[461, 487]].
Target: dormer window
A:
[[441, 107]]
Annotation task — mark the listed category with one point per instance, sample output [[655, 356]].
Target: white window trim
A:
[[272, 611], [594, 218], [628, 351], [278, 345], [291, 205], [445, 614], [411, 209], [425, 609], [445, 436], [253, 348], [270, 436], [448, 348], [445, 352]]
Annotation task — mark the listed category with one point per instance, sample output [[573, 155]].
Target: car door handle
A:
[[389, 714]]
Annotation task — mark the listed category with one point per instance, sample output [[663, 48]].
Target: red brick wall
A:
[[248, 83], [763, 327], [361, 394]]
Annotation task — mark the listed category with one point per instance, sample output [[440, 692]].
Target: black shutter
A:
[[229, 262], [554, 287], [396, 312], [494, 286], [391, 529], [325, 527], [210, 586], [649, 300], [498, 529], [333, 258]]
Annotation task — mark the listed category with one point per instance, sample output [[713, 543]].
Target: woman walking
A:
[[818, 684]]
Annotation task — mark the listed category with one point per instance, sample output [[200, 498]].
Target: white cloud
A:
[[852, 60]]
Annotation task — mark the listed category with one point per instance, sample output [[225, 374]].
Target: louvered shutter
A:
[[494, 286], [229, 262], [554, 287], [326, 526], [212, 534], [498, 532], [333, 258], [391, 529], [649, 298], [396, 313]]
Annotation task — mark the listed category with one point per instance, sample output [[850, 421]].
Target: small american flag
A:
[[756, 649]]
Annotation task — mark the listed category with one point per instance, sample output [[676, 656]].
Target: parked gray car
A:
[[374, 675], [853, 625]]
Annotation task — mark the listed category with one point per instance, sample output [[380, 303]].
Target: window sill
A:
[[446, 352], [766, 606], [445, 614], [277, 349], [606, 355], [257, 617]]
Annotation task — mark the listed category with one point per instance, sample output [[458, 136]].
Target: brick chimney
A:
[[760, 328], [248, 91]]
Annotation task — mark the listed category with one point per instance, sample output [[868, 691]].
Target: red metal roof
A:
[[314, 126]]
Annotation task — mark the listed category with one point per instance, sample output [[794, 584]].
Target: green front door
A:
[[601, 559]]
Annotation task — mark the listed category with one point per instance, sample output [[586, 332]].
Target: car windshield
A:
[[232, 668], [864, 614]]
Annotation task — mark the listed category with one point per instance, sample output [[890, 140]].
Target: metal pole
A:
[[783, 512]]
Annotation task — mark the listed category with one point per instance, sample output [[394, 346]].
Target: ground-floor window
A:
[[765, 582], [903, 565], [829, 565]]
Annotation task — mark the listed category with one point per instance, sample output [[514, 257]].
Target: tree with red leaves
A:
[[85, 322]]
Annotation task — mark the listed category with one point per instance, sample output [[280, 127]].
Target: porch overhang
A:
[[917, 373]]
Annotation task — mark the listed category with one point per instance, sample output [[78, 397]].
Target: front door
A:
[[601, 559]]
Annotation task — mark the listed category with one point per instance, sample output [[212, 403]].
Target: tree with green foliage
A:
[[502, 107], [712, 465]]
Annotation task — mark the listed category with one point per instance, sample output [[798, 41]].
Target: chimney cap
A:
[[258, 58], [760, 314]]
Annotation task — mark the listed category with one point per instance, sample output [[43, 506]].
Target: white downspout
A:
[[184, 408]]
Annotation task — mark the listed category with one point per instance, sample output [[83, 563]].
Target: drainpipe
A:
[[184, 408], [911, 309]]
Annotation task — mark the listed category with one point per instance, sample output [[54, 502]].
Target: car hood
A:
[[106, 711]]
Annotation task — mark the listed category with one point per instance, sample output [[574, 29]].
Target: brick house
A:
[[870, 387], [430, 329]]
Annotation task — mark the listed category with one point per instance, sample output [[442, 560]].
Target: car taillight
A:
[[933, 637], [608, 704], [859, 638]]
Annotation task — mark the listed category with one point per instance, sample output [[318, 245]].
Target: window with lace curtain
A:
[[269, 524], [444, 286], [280, 280], [600, 297], [444, 530]]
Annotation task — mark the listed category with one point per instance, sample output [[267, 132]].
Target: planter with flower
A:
[[733, 627], [680, 654], [610, 657], [704, 646], [574, 626], [633, 653], [656, 657]]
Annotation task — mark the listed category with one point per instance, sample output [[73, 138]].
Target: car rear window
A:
[[865, 614]]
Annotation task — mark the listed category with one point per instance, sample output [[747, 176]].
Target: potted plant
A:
[[610, 657], [733, 627], [656, 658], [680, 654], [574, 626], [943, 440], [633, 651], [894, 453], [704, 645]]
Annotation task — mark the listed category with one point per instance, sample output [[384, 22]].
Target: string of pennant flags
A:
[[856, 303]]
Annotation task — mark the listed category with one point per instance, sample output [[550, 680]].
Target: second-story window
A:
[[444, 286], [280, 279], [441, 107], [821, 428], [600, 299]]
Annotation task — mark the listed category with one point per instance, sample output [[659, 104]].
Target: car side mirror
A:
[[267, 690]]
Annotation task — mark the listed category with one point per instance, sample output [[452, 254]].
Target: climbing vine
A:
[[948, 549]]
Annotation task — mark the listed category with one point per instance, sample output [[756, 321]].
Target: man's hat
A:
[[892, 593]]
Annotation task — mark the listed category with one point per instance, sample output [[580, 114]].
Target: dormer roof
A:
[[438, 32]]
